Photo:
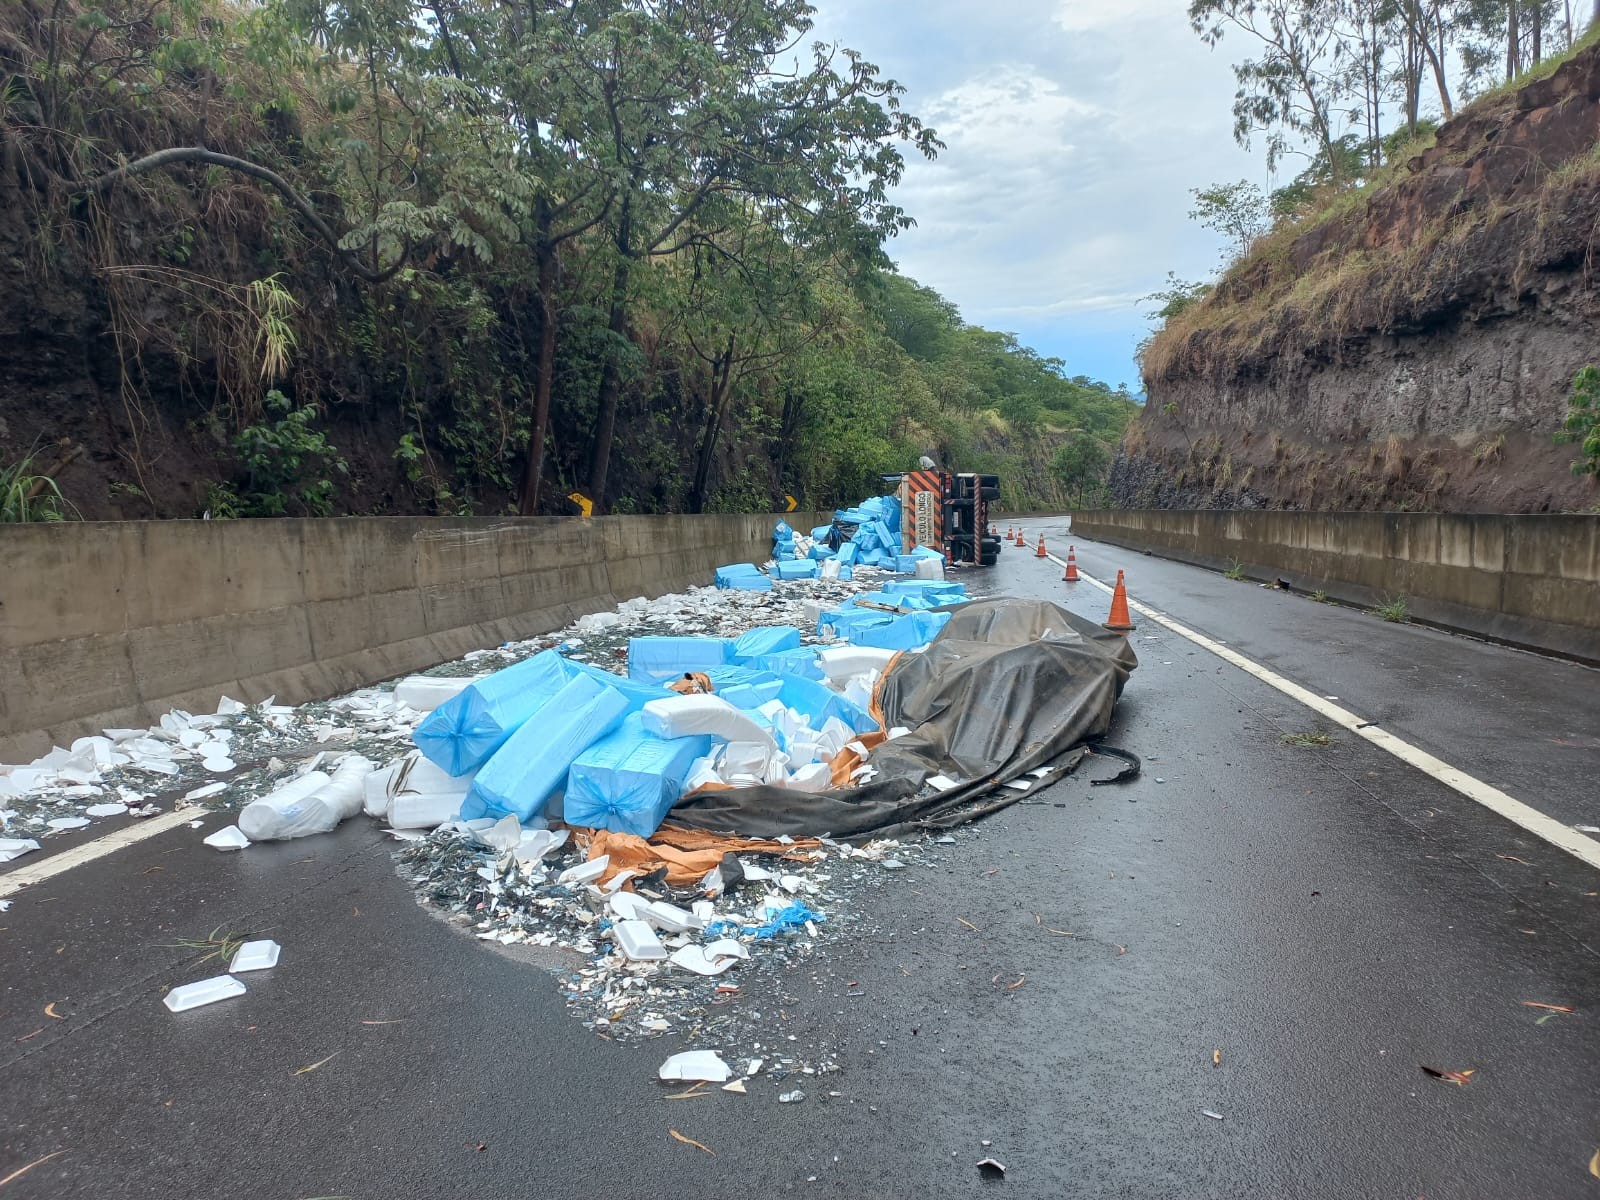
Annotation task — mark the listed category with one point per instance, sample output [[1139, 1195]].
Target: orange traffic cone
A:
[[1040, 552], [1011, 534], [1119, 621], [1071, 573]]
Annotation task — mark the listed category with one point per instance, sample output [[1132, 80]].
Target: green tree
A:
[[1080, 465], [1237, 211]]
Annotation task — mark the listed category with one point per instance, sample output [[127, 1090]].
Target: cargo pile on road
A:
[[668, 798]]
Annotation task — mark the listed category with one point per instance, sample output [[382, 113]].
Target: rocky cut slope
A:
[[1411, 348]]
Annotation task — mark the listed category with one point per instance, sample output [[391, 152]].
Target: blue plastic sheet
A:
[[768, 639], [532, 765], [465, 730], [666, 658], [629, 780]]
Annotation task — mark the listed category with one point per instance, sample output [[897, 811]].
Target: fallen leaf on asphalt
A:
[[1555, 1008], [1216, 1058], [1515, 859], [689, 1141], [34, 1034], [1594, 1165], [1011, 987], [1459, 1078], [151, 870], [1121, 950], [968, 924], [21, 1171], [688, 1094], [50, 1011], [330, 1058]]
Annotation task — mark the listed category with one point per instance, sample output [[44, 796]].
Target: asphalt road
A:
[[1326, 918]]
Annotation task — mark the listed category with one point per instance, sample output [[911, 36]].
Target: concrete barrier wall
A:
[[1532, 581], [108, 624]]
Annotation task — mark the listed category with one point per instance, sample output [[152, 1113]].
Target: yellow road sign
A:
[[793, 504], [582, 501]]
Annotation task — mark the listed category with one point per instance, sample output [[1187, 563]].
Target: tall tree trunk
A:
[[721, 380], [605, 421], [533, 469], [1436, 61], [1513, 41], [1536, 34]]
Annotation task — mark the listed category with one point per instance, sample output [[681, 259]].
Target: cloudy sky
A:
[[1074, 130]]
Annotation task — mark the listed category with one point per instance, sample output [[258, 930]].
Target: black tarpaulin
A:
[[1007, 687]]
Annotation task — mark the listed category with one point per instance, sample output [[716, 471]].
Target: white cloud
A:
[[1074, 129]]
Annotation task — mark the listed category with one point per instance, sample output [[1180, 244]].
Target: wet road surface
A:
[[1058, 983]]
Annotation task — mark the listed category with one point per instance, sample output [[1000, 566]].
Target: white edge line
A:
[[1547, 828], [84, 852]]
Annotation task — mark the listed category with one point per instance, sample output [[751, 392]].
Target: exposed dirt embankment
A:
[[1413, 347]]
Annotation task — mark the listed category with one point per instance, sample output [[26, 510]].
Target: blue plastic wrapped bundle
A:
[[768, 639], [667, 658], [887, 539], [637, 692], [847, 622], [532, 765], [726, 575], [896, 600], [902, 633], [820, 551], [821, 532], [782, 531], [905, 564], [801, 660], [783, 551], [817, 702], [801, 568], [465, 730], [849, 552], [629, 780], [853, 516], [847, 574], [876, 558], [744, 688], [940, 591]]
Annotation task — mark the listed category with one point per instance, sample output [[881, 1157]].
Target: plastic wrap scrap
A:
[[628, 780], [426, 692], [839, 663], [790, 916], [532, 765], [462, 733], [664, 658]]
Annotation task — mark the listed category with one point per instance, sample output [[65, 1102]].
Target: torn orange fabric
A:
[[686, 853], [848, 760]]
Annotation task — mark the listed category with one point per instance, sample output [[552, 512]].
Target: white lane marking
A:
[[1561, 836], [84, 852]]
